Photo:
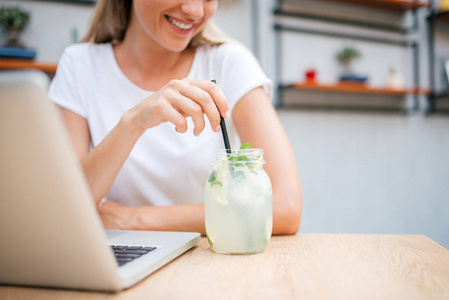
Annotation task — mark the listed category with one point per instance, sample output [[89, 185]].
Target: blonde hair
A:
[[111, 18]]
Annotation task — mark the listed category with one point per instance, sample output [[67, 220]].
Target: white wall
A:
[[372, 173]]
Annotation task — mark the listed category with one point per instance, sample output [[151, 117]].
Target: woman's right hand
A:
[[180, 99]]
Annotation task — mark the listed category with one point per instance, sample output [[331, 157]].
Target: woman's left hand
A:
[[115, 216]]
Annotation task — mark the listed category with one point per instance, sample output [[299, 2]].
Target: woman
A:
[[134, 98]]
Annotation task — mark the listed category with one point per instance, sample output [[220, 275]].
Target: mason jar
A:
[[238, 202]]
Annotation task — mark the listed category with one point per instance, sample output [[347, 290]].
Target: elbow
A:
[[287, 214], [290, 224]]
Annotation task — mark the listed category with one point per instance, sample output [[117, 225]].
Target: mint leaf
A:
[[238, 158], [213, 176], [213, 179], [245, 146], [216, 182]]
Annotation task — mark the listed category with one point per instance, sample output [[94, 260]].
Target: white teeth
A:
[[180, 25]]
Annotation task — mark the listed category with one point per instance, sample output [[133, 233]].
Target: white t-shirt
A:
[[164, 167]]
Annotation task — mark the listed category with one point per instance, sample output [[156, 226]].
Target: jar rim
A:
[[239, 156]]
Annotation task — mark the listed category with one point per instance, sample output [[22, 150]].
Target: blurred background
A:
[[361, 87]]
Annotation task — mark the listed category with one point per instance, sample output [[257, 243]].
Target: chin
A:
[[178, 44], [177, 47]]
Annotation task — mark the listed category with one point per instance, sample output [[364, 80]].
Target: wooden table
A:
[[304, 266]]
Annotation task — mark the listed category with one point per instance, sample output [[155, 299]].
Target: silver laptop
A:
[[50, 232]]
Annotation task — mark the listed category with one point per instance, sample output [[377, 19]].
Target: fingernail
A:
[[227, 114], [217, 129]]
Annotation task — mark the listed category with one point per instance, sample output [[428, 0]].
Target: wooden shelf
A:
[[389, 7], [6, 63], [349, 87], [397, 5]]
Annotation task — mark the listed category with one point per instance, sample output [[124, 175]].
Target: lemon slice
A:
[[210, 241], [256, 163], [218, 195]]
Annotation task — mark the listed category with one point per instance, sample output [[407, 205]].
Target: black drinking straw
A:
[[224, 132]]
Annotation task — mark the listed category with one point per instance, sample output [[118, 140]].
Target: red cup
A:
[[311, 75]]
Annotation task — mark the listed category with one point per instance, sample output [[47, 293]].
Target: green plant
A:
[[13, 18], [347, 55]]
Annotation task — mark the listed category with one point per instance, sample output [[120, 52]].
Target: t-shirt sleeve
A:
[[65, 88], [240, 72]]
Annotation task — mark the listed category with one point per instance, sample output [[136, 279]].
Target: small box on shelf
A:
[[15, 52]]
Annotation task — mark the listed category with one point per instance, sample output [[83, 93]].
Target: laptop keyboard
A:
[[126, 254]]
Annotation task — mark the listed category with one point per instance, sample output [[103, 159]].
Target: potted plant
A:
[[346, 56], [13, 20]]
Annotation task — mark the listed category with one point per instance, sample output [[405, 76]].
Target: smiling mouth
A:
[[180, 25]]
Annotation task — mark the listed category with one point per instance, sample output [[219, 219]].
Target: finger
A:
[[216, 93], [188, 107], [204, 101], [173, 116]]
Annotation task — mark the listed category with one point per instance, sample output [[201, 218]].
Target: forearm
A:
[[287, 208], [169, 218], [286, 215], [102, 164]]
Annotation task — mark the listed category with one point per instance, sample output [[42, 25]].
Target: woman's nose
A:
[[193, 8]]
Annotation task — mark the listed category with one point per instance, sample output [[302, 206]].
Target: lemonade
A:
[[238, 203]]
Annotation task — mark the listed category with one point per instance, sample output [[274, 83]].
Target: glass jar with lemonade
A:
[[238, 202]]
